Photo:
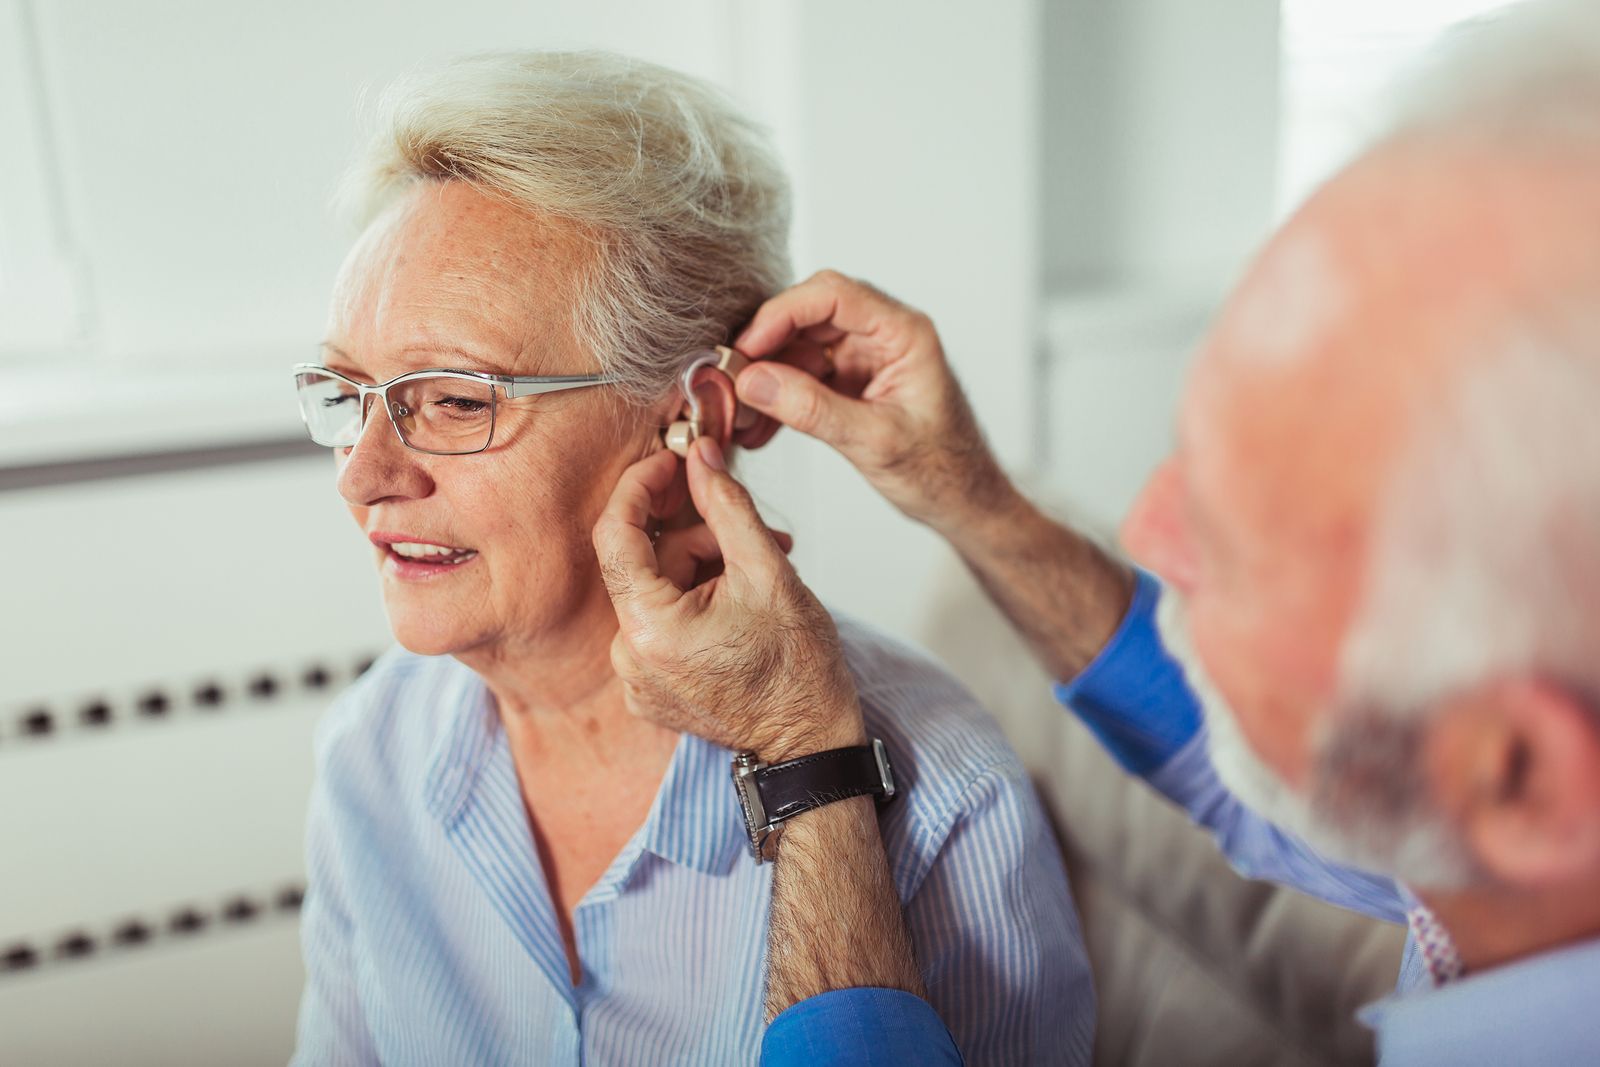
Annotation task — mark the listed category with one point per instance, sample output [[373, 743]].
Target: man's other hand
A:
[[717, 634]]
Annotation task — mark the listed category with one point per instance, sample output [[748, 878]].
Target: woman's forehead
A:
[[449, 268]]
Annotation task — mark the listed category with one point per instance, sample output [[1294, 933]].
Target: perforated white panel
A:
[[168, 643]]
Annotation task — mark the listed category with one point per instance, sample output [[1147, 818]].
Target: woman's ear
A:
[[719, 404], [1517, 765]]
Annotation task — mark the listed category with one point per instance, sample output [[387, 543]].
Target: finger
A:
[[684, 553], [813, 357], [691, 555], [758, 433], [728, 510], [628, 561], [846, 363], [826, 299], [622, 662], [796, 399]]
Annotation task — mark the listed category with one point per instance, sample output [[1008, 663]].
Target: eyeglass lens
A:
[[444, 415]]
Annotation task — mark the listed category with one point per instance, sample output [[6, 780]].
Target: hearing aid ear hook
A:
[[728, 361]]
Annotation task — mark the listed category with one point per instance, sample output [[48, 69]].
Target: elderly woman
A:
[[504, 864]]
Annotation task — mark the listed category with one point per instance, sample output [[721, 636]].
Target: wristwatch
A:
[[769, 794]]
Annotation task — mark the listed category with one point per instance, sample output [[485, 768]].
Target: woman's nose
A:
[[1155, 533], [380, 467]]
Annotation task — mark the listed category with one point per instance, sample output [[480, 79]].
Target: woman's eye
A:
[[464, 404], [335, 401]]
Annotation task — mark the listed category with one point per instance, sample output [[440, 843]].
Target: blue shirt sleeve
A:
[[859, 1028], [1133, 696]]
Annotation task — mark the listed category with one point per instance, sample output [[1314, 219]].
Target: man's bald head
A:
[[1389, 467]]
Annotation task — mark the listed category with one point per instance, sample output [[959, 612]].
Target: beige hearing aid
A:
[[681, 434]]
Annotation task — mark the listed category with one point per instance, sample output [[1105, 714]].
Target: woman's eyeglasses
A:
[[440, 412]]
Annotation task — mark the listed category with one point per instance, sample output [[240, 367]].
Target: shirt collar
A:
[[1511, 1013], [463, 746], [694, 822]]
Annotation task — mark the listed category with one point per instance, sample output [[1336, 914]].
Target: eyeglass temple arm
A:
[[554, 385]]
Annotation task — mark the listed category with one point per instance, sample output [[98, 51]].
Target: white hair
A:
[[1487, 549], [1485, 553], [1485, 566], [680, 197]]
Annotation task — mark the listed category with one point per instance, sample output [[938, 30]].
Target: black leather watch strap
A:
[[770, 795], [798, 785]]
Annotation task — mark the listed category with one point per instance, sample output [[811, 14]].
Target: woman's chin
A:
[[425, 636]]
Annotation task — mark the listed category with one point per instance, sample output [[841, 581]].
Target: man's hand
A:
[[717, 634], [843, 362], [838, 360]]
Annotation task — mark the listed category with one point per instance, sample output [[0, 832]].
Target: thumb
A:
[[797, 399], [729, 512]]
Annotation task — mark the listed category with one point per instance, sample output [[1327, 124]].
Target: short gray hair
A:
[[679, 195]]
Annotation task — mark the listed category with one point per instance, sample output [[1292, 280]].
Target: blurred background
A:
[[1067, 186]]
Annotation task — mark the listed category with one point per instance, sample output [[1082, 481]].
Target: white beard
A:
[[1365, 807], [1242, 772]]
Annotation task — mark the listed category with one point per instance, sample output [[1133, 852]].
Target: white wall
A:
[[1159, 155], [1160, 140], [200, 140], [916, 167]]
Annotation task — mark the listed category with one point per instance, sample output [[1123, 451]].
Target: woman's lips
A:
[[411, 569], [414, 558]]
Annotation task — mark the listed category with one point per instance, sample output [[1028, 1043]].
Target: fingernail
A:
[[759, 386], [711, 453]]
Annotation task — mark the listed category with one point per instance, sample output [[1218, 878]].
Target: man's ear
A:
[[1516, 764]]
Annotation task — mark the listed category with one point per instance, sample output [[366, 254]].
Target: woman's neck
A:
[[557, 692]]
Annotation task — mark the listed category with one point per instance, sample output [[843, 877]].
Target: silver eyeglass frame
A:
[[513, 386]]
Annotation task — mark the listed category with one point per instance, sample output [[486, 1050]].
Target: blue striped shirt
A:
[[430, 936]]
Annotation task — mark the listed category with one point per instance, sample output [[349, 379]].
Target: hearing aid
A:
[[729, 362]]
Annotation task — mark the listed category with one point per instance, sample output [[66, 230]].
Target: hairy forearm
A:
[[836, 921], [1064, 594]]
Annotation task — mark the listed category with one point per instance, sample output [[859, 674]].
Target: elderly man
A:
[[1380, 542]]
